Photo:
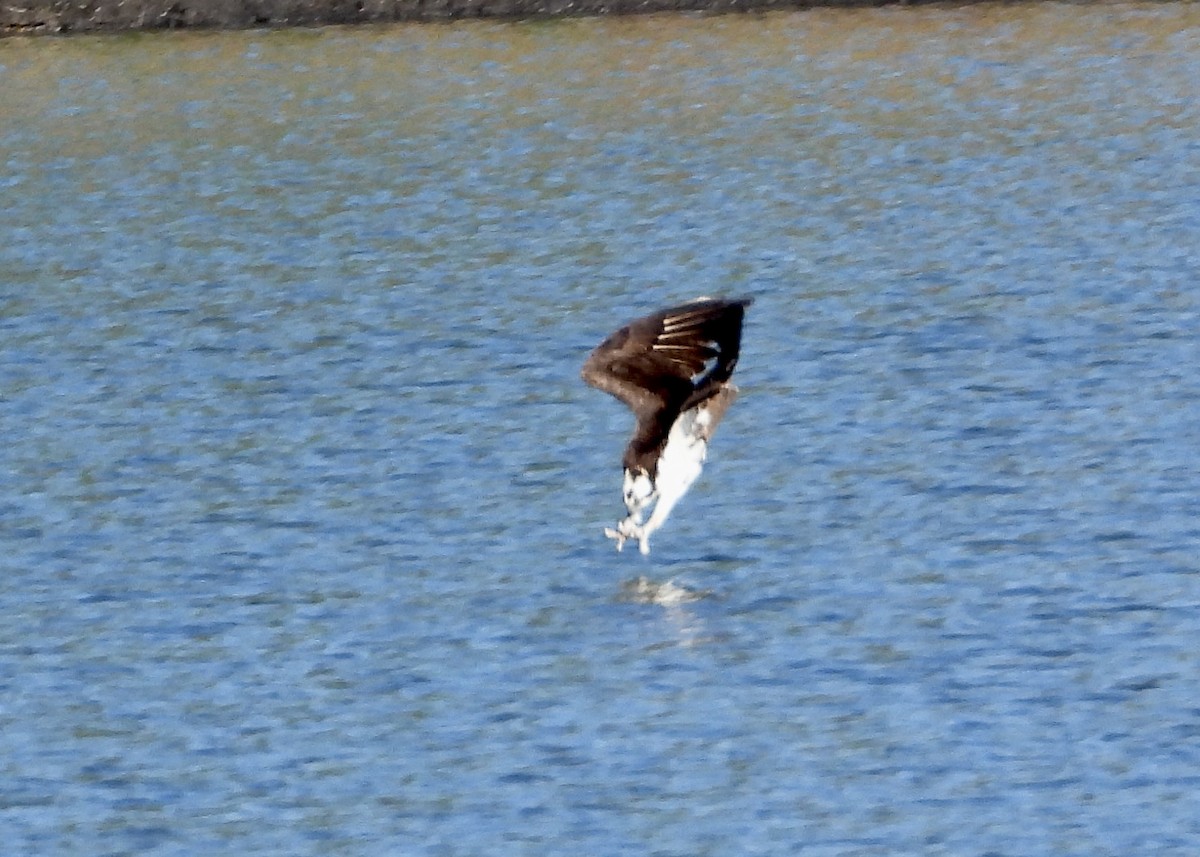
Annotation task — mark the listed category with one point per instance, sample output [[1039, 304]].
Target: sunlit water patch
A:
[[301, 497]]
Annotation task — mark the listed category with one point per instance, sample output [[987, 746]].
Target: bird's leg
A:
[[641, 532]]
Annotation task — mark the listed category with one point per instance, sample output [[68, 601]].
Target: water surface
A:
[[301, 498]]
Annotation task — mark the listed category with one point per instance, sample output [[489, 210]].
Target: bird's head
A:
[[638, 490]]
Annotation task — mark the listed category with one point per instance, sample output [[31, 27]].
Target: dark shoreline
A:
[[23, 17]]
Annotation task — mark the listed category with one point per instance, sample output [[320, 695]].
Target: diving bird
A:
[[673, 370]]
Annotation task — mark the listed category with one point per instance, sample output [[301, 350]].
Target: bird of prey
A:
[[673, 370]]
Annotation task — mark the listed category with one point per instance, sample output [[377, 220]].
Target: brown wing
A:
[[670, 359]]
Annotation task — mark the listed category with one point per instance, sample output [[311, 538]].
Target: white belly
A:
[[683, 458]]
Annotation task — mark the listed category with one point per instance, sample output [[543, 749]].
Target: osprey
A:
[[672, 369]]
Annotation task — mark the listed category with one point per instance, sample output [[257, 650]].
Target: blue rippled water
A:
[[301, 498]]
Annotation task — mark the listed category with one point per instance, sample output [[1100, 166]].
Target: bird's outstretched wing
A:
[[674, 358]]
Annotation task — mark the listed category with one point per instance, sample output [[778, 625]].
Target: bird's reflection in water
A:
[[689, 629]]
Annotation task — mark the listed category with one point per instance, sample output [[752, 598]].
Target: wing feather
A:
[[664, 359], [666, 363]]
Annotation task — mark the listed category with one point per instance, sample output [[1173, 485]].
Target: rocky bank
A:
[[73, 16]]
